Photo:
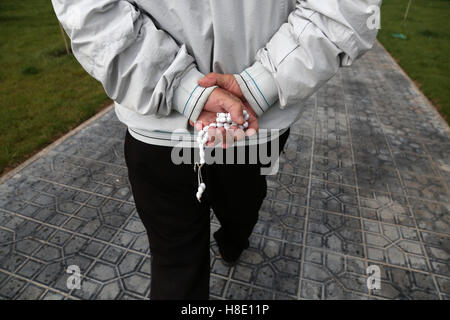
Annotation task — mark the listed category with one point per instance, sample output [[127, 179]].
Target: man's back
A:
[[223, 36]]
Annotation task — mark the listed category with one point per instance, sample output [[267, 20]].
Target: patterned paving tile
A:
[[268, 263], [281, 221], [443, 285], [328, 275], [332, 125], [414, 163], [101, 178], [394, 245], [304, 124], [425, 187], [385, 207], [94, 147], [380, 178], [333, 197], [401, 284], [334, 170], [332, 149], [401, 144], [335, 232], [438, 251], [296, 157], [432, 216]]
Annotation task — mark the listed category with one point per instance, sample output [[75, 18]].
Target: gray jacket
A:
[[149, 54]]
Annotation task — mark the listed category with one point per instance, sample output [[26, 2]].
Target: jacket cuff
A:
[[189, 98], [258, 87]]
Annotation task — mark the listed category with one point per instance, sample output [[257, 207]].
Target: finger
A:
[[222, 80], [208, 81], [229, 140], [239, 134], [252, 126], [211, 131], [234, 132], [235, 110], [250, 132], [211, 135], [229, 83], [219, 136], [199, 125], [253, 123], [225, 81], [221, 133], [214, 138]]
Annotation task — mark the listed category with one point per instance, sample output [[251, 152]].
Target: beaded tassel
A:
[[222, 120]]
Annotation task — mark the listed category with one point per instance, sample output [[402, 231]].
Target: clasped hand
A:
[[227, 98]]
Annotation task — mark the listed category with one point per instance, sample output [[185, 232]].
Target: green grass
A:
[[44, 92], [425, 54]]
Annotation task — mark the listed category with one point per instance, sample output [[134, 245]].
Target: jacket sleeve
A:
[[319, 37], [140, 66]]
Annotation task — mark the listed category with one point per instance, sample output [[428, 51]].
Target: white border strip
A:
[[44, 151]]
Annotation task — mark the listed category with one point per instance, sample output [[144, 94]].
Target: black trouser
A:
[[178, 226]]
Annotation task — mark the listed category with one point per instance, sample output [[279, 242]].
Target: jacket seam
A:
[[298, 37]]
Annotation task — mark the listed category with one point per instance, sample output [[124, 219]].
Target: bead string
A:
[[222, 120]]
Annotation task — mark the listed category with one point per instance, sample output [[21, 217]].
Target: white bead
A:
[[201, 133], [227, 126], [245, 124], [245, 112], [198, 195], [203, 186], [213, 125], [205, 128], [219, 125], [246, 117]]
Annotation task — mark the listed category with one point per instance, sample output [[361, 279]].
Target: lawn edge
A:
[[44, 151], [432, 106]]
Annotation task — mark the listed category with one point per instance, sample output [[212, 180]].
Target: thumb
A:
[[225, 81]]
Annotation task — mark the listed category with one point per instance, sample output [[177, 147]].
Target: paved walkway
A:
[[365, 180]]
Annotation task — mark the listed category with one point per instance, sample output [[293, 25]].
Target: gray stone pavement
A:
[[364, 181]]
